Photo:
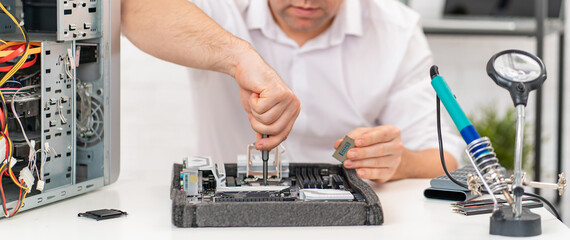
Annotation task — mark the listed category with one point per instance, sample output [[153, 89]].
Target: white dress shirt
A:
[[370, 68]]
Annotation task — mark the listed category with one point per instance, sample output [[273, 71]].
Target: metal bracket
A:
[[204, 163], [560, 186], [275, 171]]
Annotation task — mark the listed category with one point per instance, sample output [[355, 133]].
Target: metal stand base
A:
[[503, 223]]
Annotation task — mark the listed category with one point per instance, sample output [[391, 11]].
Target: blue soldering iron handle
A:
[[461, 121]]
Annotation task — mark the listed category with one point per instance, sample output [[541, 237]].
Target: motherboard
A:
[[304, 182]]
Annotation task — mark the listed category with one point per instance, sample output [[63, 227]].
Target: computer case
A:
[[73, 113]]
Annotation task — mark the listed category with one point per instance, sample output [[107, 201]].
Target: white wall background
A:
[[156, 114]]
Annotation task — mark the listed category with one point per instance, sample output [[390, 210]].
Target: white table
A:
[[407, 214]]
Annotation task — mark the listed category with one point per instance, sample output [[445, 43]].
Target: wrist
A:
[[240, 53]]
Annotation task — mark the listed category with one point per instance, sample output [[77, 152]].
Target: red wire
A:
[[25, 65], [19, 50], [19, 201], [1, 119], [4, 197], [2, 191]]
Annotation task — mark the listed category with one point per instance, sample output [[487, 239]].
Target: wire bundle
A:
[[9, 51]]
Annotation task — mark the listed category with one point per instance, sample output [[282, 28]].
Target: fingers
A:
[[369, 136], [275, 94], [267, 88], [273, 140], [379, 175], [380, 134], [378, 169], [374, 142], [389, 161], [376, 150], [267, 113], [353, 134], [375, 161], [282, 123], [271, 105]]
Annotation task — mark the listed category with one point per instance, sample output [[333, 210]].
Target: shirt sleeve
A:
[[411, 103]]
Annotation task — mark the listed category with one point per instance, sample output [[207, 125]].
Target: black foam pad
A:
[[261, 214]]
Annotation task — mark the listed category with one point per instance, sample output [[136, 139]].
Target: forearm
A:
[[178, 31], [423, 164]]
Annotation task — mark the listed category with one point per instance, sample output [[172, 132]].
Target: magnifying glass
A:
[[517, 71], [520, 73]]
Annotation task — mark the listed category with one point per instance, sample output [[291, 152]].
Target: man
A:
[[194, 40], [359, 67]]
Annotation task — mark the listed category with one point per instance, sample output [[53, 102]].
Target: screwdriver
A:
[[265, 158]]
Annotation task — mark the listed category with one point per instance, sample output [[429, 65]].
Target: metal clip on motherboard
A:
[[255, 170]]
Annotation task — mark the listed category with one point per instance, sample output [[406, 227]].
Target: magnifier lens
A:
[[517, 67]]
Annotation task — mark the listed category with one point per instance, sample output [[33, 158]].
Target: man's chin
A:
[[304, 26]]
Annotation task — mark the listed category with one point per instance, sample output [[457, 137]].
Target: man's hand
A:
[[377, 152], [202, 43], [271, 105]]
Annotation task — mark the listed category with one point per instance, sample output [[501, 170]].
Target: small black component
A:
[[27, 105], [21, 149], [103, 214], [318, 178], [88, 54], [208, 181], [519, 191], [302, 177], [312, 181], [255, 196], [358, 197]]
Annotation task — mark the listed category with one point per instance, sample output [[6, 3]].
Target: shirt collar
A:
[[347, 22], [350, 16]]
